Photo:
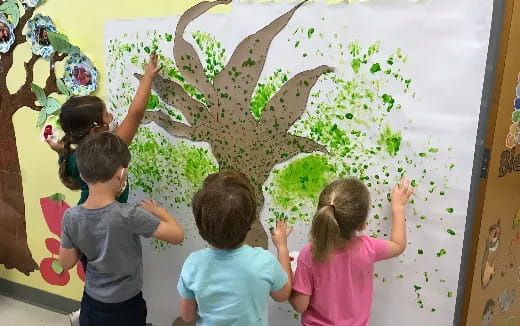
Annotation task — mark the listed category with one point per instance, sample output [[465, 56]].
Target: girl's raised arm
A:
[[400, 197], [130, 123]]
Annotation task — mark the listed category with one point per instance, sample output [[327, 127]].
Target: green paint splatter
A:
[[450, 231], [265, 91], [391, 140], [301, 180], [310, 32], [441, 253], [420, 251], [450, 210], [376, 67], [214, 53], [248, 62], [153, 102], [158, 166]]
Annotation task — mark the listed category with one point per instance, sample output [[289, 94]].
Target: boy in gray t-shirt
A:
[[108, 234]]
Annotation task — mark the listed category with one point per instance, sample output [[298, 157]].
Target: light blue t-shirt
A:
[[231, 287]]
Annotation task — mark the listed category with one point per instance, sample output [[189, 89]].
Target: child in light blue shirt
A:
[[229, 284]]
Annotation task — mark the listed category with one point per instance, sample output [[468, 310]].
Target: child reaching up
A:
[[108, 234], [334, 277], [83, 115], [229, 284]]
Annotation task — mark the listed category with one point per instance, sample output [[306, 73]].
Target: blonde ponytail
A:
[[342, 209], [325, 233]]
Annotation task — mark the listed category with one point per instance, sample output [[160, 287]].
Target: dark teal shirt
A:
[[72, 170]]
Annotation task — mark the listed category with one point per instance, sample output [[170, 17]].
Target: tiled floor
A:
[[16, 313]]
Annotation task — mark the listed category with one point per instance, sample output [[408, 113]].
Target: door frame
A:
[[495, 66]]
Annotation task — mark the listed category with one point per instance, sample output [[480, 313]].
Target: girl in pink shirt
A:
[[335, 272]]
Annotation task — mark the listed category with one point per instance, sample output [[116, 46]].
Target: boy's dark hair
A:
[[224, 209], [99, 156], [77, 118]]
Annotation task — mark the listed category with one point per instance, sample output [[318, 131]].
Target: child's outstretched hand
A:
[[151, 207], [152, 69], [280, 233], [401, 194]]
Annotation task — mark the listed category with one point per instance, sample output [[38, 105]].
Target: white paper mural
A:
[[393, 88]]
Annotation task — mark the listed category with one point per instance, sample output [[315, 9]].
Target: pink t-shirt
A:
[[341, 288]]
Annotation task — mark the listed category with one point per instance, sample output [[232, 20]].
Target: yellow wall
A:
[[83, 21]]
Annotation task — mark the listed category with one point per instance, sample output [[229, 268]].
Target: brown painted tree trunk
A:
[[15, 251]]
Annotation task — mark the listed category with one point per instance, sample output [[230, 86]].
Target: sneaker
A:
[[74, 318]]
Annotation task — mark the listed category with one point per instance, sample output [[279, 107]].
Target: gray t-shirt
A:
[[109, 238]]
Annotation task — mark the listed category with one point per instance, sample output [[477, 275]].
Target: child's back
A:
[[229, 286], [107, 232], [340, 289], [333, 283], [109, 238]]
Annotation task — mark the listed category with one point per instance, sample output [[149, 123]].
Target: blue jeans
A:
[[131, 312]]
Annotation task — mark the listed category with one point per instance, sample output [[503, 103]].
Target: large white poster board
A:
[[404, 97]]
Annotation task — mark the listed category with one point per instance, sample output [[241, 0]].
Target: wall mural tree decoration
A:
[[48, 45], [222, 117]]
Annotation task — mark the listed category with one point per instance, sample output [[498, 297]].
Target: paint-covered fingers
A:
[[152, 68], [402, 193], [280, 233], [149, 205]]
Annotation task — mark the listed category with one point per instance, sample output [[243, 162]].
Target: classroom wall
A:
[[83, 22]]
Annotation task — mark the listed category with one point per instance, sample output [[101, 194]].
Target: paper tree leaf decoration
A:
[[10, 8], [40, 94], [50, 104], [63, 88], [61, 43], [223, 117], [56, 267]]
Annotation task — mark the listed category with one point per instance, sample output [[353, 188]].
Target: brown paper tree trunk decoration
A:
[[14, 250], [224, 120]]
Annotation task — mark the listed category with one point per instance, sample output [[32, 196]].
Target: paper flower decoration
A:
[[37, 29], [30, 3], [80, 76], [6, 34]]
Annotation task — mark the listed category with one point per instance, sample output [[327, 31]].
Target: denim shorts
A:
[[131, 312]]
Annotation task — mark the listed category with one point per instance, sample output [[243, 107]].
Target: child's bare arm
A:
[[130, 123], [188, 309], [68, 257], [400, 197], [169, 229], [299, 301], [279, 236]]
